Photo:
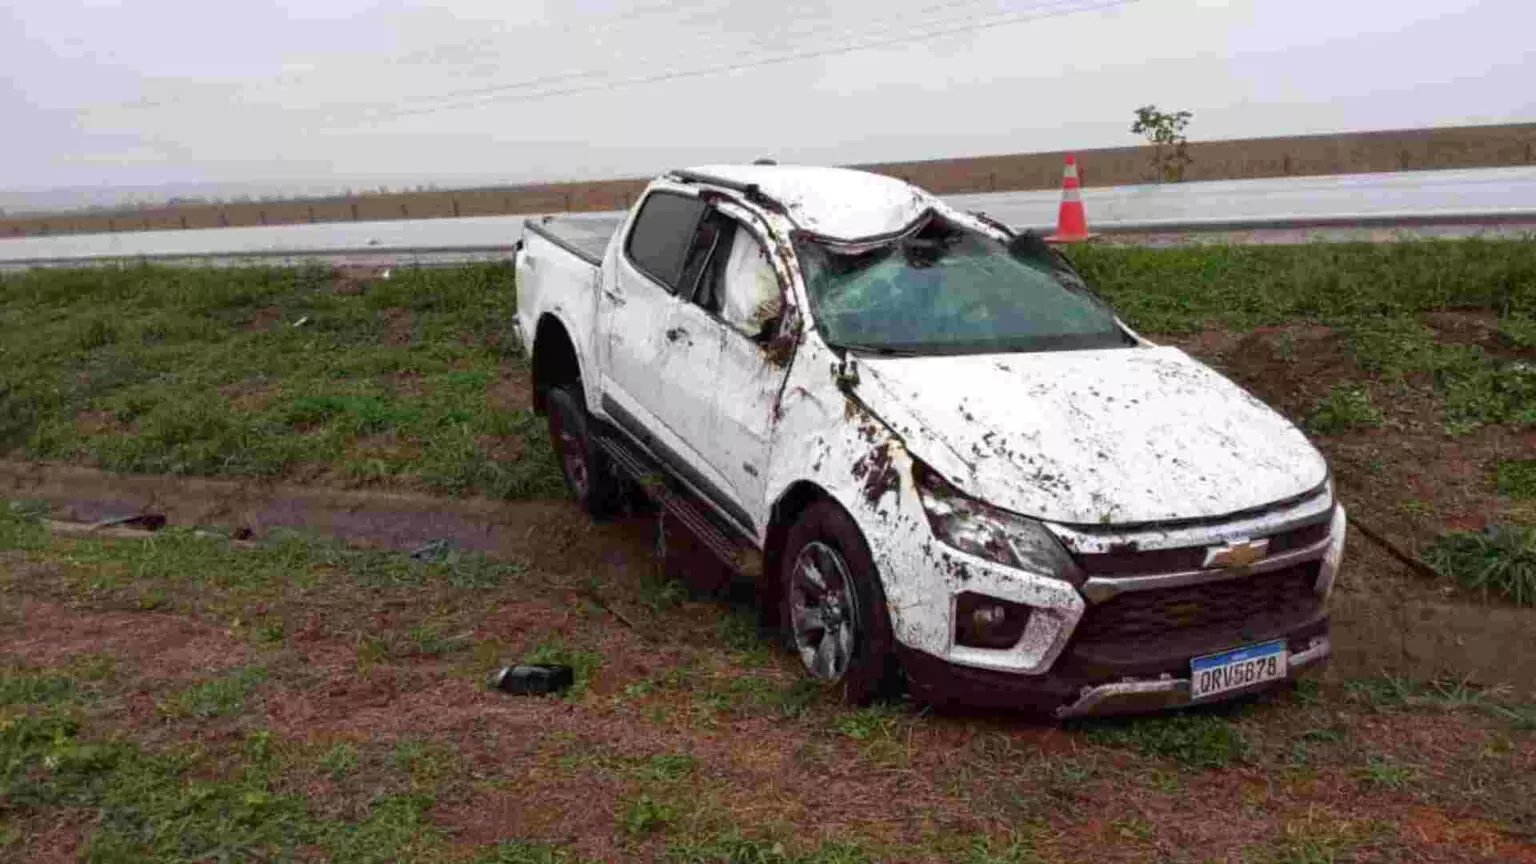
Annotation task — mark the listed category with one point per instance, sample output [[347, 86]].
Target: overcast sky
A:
[[315, 95]]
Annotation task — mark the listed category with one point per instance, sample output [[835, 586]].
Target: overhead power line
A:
[[887, 25], [505, 94]]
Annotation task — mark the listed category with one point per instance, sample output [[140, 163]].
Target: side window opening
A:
[[710, 244], [663, 235], [747, 290]]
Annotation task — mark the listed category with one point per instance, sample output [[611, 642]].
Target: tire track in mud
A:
[[551, 535], [1386, 620]]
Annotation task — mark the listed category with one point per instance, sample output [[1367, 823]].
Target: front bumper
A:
[[1076, 689], [1126, 646], [1132, 696]]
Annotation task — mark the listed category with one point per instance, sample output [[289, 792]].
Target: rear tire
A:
[[834, 607], [586, 469]]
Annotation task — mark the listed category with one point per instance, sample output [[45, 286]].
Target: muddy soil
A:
[[549, 535], [1408, 479], [1387, 618]]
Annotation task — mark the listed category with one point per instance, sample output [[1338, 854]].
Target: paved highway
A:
[[1496, 201]]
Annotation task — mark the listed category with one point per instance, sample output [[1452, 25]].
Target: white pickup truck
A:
[[941, 458]]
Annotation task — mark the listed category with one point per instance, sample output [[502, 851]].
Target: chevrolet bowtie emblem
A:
[[1238, 553]]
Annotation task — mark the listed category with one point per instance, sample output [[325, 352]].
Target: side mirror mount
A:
[[766, 314], [1030, 245]]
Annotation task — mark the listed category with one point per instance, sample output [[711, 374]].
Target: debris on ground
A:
[[534, 679]]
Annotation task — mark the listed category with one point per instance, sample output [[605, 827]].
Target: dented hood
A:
[[1093, 437]]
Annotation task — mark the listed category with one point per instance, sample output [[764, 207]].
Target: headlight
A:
[[987, 532]]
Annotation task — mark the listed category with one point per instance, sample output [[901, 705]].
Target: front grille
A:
[[1136, 563], [1256, 603]]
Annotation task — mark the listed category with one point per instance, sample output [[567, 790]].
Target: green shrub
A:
[[1500, 561], [1518, 331], [1517, 478], [1346, 407]]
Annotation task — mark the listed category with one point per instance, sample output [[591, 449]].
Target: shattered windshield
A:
[[943, 288]]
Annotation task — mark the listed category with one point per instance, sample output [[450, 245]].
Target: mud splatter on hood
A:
[[1093, 437]]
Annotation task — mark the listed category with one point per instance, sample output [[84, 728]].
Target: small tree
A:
[[1165, 132]]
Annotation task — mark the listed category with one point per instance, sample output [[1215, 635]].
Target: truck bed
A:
[[586, 237]]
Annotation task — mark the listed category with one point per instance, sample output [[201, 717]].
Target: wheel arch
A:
[[793, 501], [555, 360]]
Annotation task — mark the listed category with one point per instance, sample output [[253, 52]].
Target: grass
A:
[[644, 816], [584, 664], [223, 696], [1499, 562], [867, 724], [1185, 289], [340, 760], [1373, 292], [1346, 408], [184, 371], [1518, 332], [1194, 740], [735, 848], [1384, 773], [1517, 478], [1397, 693], [186, 805]]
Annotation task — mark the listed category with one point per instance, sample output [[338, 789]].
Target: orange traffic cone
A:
[[1071, 221]]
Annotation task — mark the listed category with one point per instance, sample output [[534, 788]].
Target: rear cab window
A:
[[663, 233]]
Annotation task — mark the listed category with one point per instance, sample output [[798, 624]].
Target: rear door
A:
[[640, 300]]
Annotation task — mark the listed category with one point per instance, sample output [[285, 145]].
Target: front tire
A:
[[584, 466], [834, 606]]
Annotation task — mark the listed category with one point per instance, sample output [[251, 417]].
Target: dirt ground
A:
[[689, 739], [1387, 617]]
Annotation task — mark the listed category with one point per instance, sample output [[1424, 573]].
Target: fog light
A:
[[987, 622]]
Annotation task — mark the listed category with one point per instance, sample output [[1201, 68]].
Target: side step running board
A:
[[734, 552]]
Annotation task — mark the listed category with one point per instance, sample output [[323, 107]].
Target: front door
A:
[[740, 299], [662, 348]]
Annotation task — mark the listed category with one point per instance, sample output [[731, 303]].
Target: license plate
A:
[[1238, 668]]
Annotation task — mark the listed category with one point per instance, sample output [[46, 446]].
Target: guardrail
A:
[[1496, 200]]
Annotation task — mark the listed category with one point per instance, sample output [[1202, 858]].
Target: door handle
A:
[[676, 333]]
